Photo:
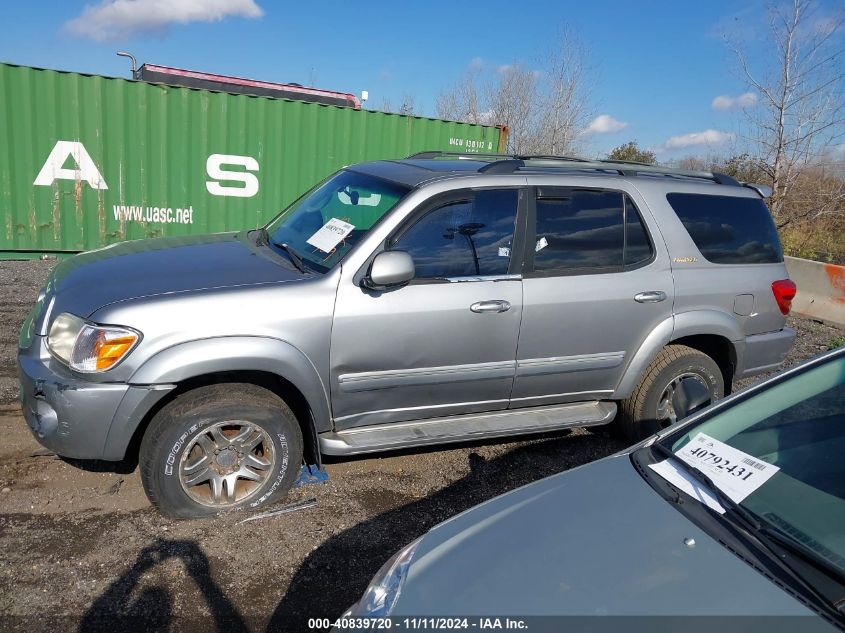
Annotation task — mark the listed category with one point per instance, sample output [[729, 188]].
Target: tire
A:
[[690, 371], [212, 437]]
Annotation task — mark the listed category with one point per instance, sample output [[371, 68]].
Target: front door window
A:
[[470, 236]]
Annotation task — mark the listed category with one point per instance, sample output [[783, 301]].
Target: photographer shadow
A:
[[117, 609]]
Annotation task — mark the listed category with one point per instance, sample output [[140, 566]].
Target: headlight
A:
[[89, 347], [380, 597]]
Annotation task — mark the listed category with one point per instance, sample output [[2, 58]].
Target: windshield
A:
[[325, 223], [784, 458]]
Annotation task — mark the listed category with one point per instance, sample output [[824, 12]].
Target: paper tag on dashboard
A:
[[330, 235], [504, 251], [541, 244], [736, 473]]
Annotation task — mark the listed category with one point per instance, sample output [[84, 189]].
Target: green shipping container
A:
[[87, 160]]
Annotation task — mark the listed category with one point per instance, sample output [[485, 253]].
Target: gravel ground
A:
[[81, 548]]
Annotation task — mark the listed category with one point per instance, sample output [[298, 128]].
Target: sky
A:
[[661, 71]]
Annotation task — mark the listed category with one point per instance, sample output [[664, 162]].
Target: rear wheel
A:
[[679, 382], [220, 447]]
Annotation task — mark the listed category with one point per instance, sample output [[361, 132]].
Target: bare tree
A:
[[564, 106], [408, 106], [546, 109], [461, 102], [512, 101], [801, 111]]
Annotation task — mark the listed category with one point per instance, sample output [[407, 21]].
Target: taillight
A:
[[784, 291]]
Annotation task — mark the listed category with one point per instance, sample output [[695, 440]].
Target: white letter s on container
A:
[[214, 168]]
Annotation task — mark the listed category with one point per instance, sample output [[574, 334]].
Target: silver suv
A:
[[403, 303]]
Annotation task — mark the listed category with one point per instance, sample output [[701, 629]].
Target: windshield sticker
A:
[[541, 244], [504, 251], [685, 482], [736, 473], [330, 235]]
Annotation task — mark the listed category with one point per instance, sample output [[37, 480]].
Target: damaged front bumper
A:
[[75, 417]]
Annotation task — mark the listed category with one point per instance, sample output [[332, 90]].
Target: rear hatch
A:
[[730, 256]]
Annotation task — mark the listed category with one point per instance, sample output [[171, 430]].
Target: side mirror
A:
[[390, 268]]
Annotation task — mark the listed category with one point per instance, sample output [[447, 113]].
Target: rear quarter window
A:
[[728, 229]]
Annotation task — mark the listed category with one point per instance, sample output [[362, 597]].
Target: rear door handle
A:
[[490, 306], [651, 296]]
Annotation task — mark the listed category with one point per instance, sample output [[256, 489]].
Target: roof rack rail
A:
[[510, 163], [624, 162], [442, 154], [507, 166], [573, 159], [628, 168]]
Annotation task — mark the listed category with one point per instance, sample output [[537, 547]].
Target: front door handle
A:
[[651, 296], [490, 306]]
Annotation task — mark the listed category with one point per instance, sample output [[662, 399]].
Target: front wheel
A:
[[218, 448], [679, 382]]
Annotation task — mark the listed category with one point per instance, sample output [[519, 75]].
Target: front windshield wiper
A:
[[747, 517], [805, 552], [763, 533], [295, 257]]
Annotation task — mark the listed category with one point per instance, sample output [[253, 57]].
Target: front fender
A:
[[159, 374], [150, 382], [240, 353]]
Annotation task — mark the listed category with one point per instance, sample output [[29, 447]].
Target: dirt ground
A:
[[80, 548]]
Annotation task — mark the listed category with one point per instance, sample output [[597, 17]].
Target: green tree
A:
[[630, 151], [744, 168]]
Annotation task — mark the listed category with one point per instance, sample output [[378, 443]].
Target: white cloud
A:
[[604, 124], [726, 102], [476, 63], [121, 19], [696, 139]]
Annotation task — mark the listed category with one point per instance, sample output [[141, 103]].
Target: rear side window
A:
[[583, 231], [727, 229]]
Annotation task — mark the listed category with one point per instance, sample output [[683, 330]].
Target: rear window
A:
[[727, 229]]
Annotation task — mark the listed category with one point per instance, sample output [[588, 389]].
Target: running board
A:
[[462, 428]]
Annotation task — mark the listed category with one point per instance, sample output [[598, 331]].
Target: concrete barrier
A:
[[821, 290]]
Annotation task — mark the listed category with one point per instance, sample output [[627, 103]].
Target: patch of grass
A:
[[836, 341]]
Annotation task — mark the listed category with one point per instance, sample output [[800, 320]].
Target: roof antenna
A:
[[134, 62]]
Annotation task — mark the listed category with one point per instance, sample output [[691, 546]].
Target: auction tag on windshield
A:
[[330, 235], [681, 479], [736, 473]]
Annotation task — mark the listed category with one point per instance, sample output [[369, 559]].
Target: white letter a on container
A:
[[85, 169]]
